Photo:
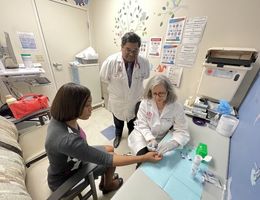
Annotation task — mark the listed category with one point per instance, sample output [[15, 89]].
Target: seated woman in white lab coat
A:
[[158, 114]]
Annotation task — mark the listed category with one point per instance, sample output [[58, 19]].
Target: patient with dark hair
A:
[[67, 147]]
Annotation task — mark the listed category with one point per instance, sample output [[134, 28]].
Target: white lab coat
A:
[[122, 99], [150, 125]]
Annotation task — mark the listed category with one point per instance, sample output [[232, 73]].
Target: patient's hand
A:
[[152, 157]]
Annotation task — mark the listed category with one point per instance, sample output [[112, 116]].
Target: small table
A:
[[139, 186]]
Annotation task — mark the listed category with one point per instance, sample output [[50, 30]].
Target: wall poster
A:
[[187, 55], [174, 74], [155, 46], [144, 48], [175, 30], [169, 54], [194, 29], [27, 40]]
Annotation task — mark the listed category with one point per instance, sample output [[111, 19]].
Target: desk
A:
[[22, 72], [139, 186]]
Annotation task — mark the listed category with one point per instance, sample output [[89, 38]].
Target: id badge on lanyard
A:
[[149, 115]]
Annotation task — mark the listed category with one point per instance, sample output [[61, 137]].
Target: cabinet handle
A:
[[58, 66]]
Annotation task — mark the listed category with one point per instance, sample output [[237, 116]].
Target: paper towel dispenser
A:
[[231, 56]]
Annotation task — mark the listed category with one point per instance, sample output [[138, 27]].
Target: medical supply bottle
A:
[[201, 152], [10, 99], [27, 60]]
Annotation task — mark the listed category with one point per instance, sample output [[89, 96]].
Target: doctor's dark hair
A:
[[130, 37], [160, 79], [69, 102]]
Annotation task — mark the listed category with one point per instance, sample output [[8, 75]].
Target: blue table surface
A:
[[173, 174]]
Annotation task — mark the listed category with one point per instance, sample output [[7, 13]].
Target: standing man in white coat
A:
[[124, 72], [158, 114]]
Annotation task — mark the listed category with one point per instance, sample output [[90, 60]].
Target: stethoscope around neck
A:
[[121, 65], [136, 63]]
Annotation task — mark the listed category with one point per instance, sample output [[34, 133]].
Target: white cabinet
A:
[[88, 75]]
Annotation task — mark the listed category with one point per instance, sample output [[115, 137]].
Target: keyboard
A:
[[19, 71]]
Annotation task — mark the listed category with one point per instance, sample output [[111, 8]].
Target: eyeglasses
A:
[[159, 94], [133, 51]]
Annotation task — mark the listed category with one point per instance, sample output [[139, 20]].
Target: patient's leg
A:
[[109, 148], [111, 184]]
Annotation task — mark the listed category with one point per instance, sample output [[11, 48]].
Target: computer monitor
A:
[[10, 48]]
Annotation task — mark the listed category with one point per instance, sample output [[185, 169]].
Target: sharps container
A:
[[27, 60]]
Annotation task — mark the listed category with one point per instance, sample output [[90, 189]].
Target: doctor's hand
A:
[[152, 145], [164, 147], [152, 157]]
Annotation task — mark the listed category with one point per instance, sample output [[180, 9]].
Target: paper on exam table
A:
[[173, 174]]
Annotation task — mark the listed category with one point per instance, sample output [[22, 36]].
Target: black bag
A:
[[5, 110]]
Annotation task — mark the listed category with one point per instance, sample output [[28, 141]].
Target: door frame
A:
[[43, 37]]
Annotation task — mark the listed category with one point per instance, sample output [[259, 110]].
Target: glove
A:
[[152, 145], [164, 147]]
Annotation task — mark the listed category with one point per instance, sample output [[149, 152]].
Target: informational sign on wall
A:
[[174, 30], [144, 48], [187, 55], [174, 74], [27, 40], [168, 54], [194, 29], [155, 46]]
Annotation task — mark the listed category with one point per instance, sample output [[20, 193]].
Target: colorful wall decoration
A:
[[168, 10], [130, 17], [77, 2]]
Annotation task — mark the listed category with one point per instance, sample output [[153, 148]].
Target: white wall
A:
[[19, 16], [233, 23]]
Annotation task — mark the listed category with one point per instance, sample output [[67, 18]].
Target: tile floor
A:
[[100, 119]]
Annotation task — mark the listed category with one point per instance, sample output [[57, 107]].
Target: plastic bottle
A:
[[195, 164], [27, 60], [10, 99], [201, 152]]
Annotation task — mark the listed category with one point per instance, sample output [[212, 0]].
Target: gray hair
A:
[[160, 79]]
